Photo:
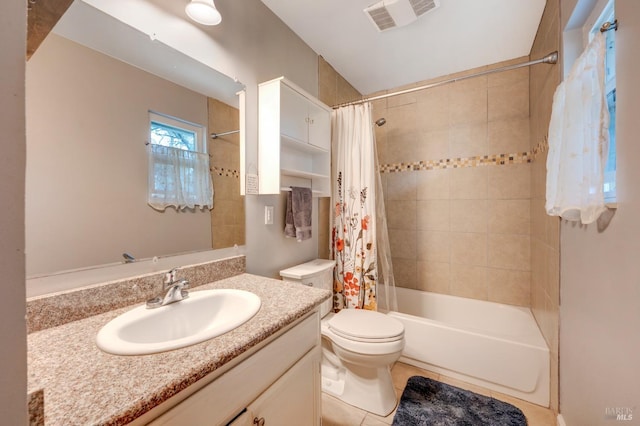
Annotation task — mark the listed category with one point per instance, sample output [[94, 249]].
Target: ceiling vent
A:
[[388, 14]]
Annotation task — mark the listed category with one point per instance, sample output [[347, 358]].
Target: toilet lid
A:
[[361, 325]]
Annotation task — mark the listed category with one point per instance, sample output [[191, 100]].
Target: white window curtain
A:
[[579, 140], [178, 178]]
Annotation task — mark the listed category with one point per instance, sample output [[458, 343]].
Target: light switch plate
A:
[[268, 215]]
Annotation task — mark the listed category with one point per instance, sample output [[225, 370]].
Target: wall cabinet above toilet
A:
[[294, 131]]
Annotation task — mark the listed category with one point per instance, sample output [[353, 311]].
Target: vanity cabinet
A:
[[277, 385], [294, 146], [289, 401]]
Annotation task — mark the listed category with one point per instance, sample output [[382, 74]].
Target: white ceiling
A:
[[459, 35]]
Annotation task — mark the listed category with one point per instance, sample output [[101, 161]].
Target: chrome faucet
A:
[[175, 291]]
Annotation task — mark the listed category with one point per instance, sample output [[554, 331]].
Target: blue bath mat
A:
[[426, 402]]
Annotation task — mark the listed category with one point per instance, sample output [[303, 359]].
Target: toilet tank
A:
[[316, 273]]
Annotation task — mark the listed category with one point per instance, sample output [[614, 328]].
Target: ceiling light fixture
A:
[[203, 12]]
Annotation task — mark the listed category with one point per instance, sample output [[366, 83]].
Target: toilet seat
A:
[[364, 332], [366, 326]]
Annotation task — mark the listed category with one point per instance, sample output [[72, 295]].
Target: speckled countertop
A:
[[85, 386]]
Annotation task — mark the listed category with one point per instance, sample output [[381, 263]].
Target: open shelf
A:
[[303, 174]]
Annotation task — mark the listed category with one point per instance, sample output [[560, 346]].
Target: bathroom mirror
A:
[[90, 87]]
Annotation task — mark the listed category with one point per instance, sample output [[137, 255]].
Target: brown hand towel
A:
[[289, 228]]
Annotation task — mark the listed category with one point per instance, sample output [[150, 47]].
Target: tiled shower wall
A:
[[545, 230], [227, 215], [333, 89], [463, 227]]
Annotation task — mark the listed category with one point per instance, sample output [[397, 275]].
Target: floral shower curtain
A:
[[356, 211]]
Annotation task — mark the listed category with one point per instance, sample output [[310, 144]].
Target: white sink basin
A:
[[203, 315]]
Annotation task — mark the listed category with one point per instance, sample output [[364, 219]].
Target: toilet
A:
[[358, 346]]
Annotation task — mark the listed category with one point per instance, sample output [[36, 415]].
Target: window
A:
[[178, 164], [608, 15]]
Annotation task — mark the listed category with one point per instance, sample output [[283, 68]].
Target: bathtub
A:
[[496, 346]]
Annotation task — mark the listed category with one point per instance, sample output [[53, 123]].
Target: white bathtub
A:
[[492, 345]]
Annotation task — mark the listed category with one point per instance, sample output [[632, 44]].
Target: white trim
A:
[[560, 420], [596, 18], [198, 129]]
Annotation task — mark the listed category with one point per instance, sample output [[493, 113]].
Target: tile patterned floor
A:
[[337, 413]]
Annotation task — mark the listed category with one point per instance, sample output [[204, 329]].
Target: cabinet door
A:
[[293, 114], [319, 127], [293, 400]]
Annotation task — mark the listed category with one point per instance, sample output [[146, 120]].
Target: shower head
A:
[[380, 122]]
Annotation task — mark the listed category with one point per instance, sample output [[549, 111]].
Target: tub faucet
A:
[[175, 291]]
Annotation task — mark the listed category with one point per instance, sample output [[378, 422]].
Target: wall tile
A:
[[507, 102], [401, 214], [511, 181], [345, 92], [401, 118], [469, 281], [382, 147], [406, 99], [510, 251], [434, 246], [467, 105], [552, 231], [405, 272], [434, 276], [509, 217], [401, 186], [469, 215], [401, 146], [468, 140], [538, 220], [476, 227], [433, 215], [509, 286], [432, 145], [470, 182], [403, 243], [468, 249], [433, 184], [506, 78], [508, 136], [433, 109]]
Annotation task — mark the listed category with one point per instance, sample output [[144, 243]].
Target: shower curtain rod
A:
[[551, 58], [216, 135]]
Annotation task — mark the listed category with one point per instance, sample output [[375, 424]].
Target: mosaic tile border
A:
[[477, 161], [221, 171]]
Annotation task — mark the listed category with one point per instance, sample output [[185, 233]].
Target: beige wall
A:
[[227, 215], [13, 368], [545, 230], [462, 231], [333, 89], [87, 122], [599, 275]]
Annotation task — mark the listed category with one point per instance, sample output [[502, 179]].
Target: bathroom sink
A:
[[203, 315]]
